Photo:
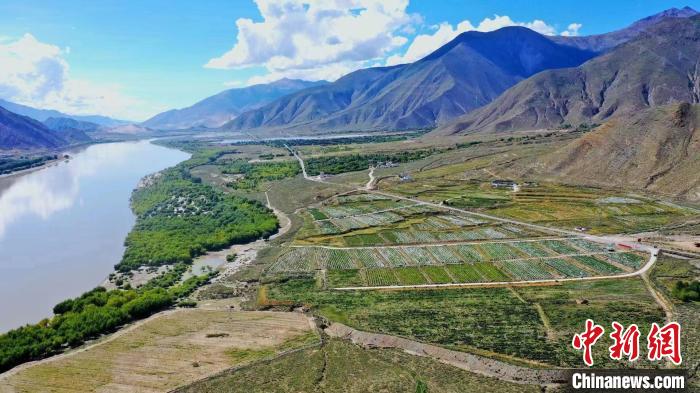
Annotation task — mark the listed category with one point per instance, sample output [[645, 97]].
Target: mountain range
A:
[[216, 110], [468, 72], [607, 41], [24, 133], [44, 114], [659, 67]]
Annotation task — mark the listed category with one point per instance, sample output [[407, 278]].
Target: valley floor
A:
[[373, 267]]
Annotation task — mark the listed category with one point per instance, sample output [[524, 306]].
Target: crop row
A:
[[628, 259], [597, 264], [513, 257], [527, 270]]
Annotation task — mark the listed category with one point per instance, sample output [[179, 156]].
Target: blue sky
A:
[[132, 59]]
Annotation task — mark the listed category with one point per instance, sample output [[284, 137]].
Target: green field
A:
[[342, 367], [491, 321]]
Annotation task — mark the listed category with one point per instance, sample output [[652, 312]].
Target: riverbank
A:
[[61, 233]]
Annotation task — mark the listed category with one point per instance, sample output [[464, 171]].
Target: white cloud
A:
[[572, 30], [37, 74], [424, 44], [317, 39]]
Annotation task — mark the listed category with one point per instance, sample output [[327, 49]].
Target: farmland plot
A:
[[380, 277], [344, 278], [437, 274], [394, 257], [420, 255], [628, 259], [327, 228], [366, 257], [464, 273], [589, 246], [490, 233], [566, 268], [340, 259], [560, 247], [598, 265], [490, 272], [462, 221], [500, 251], [527, 270], [443, 255], [410, 276], [532, 249], [468, 252], [296, 260]]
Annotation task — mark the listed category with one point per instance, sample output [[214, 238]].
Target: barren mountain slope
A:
[[656, 150], [659, 67]]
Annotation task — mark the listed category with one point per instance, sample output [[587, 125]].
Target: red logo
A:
[[665, 342], [662, 342], [587, 339], [626, 342]]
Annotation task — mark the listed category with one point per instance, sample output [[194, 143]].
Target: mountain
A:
[[659, 67], [43, 114], [607, 41], [68, 124], [654, 150], [466, 73], [21, 132], [221, 108]]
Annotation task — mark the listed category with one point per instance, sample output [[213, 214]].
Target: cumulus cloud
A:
[[37, 74], [319, 39], [572, 30], [424, 44]]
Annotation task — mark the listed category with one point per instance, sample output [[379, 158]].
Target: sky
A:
[[133, 59]]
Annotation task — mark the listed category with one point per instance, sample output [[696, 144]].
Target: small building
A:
[[504, 184], [405, 177], [387, 164]]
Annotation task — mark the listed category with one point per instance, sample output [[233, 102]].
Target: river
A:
[[62, 228]]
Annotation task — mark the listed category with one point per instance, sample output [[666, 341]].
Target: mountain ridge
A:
[[18, 132], [220, 108], [465, 73], [665, 70], [43, 114]]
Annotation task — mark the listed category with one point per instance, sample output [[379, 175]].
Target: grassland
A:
[[168, 351], [342, 367], [500, 322]]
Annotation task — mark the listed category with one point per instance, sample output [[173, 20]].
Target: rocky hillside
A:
[[655, 150], [468, 72], [221, 108], [659, 67]]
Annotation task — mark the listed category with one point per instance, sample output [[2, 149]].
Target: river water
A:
[[62, 228]]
